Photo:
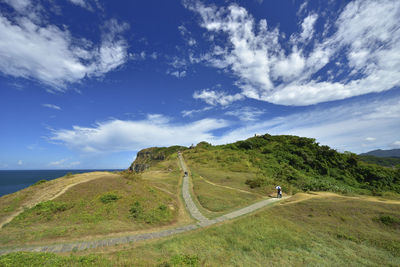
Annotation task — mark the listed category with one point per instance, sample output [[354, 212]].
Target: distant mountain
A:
[[392, 153]]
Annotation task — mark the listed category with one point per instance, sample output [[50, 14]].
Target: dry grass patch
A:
[[98, 207]]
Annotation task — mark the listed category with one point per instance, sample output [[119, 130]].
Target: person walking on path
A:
[[279, 189]]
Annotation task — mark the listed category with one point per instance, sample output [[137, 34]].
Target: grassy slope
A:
[[81, 212], [296, 163], [326, 230]]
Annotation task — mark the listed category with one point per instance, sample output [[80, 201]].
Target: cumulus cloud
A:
[[213, 98], [127, 135], [52, 106], [365, 42], [52, 55]]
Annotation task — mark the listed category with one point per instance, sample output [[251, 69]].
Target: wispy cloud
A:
[[52, 106], [190, 113], [82, 3], [64, 163], [246, 113], [365, 41]]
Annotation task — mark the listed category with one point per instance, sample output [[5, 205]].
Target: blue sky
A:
[[88, 83]]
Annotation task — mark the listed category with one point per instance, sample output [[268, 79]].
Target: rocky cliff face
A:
[[145, 158]]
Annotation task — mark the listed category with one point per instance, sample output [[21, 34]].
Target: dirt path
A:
[[192, 208], [232, 188], [202, 222], [55, 189]]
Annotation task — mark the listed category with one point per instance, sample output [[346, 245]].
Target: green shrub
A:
[[40, 182], [50, 259], [108, 198], [136, 210], [181, 260], [149, 216], [51, 207], [388, 220], [253, 183]]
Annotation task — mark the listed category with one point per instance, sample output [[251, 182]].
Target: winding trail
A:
[[192, 208]]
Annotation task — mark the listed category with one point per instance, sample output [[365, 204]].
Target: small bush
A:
[[181, 260], [136, 210], [50, 207], [149, 216], [253, 183], [108, 198], [40, 182], [388, 220]]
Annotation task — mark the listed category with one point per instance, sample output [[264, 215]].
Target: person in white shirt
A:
[[279, 195]]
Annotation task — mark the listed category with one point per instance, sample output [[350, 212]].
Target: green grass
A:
[[47, 259], [327, 231], [219, 199], [101, 206], [295, 163]]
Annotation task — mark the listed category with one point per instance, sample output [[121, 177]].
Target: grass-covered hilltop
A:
[[337, 210], [296, 163]]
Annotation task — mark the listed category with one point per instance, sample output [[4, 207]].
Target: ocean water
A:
[[13, 180]]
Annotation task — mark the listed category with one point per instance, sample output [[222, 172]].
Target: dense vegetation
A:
[[383, 161], [297, 163]]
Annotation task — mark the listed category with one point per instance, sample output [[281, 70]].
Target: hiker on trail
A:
[[279, 195]]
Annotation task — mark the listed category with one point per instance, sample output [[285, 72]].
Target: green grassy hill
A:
[[353, 219], [109, 204], [307, 230], [296, 163]]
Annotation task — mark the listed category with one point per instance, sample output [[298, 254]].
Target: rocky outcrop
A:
[[145, 158]]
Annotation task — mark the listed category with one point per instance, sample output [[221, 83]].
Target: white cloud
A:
[[82, 3], [52, 106], [119, 135], [246, 113], [396, 143], [370, 139], [214, 98], [366, 33], [178, 74], [308, 27], [20, 162], [64, 163], [189, 113], [52, 55], [58, 162], [18, 5]]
